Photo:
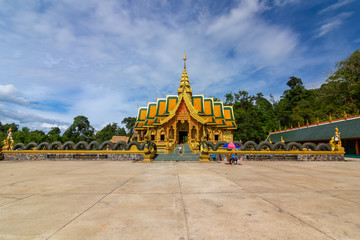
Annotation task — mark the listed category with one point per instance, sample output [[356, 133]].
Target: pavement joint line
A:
[[311, 175], [312, 190], [94, 204], [304, 187], [297, 218], [344, 199], [281, 210], [184, 207], [32, 195], [17, 182]]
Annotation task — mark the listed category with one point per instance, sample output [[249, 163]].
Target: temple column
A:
[[197, 133], [189, 132], [175, 133]]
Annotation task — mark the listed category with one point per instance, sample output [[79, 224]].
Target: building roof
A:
[[116, 139], [349, 128], [204, 110]]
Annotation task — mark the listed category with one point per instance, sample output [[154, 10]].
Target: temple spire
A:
[[184, 82], [184, 61]]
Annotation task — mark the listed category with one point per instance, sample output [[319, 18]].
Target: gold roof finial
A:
[[184, 82], [184, 60]]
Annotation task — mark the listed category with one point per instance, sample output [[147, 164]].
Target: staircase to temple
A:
[[161, 148], [187, 154]]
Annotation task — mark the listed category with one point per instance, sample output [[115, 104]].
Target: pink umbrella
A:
[[231, 145]]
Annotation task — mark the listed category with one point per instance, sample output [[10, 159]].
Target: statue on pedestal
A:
[[335, 142], [8, 143]]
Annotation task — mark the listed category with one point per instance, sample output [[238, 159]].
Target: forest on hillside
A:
[[255, 115]]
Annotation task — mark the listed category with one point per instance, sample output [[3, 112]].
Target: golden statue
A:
[[335, 142], [337, 137], [8, 143]]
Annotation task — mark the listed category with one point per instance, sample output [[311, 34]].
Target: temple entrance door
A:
[[183, 137]]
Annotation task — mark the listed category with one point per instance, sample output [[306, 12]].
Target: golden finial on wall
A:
[[317, 120], [307, 122], [298, 124], [345, 115], [330, 118]]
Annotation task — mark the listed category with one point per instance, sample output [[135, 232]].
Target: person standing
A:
[[235, 158]]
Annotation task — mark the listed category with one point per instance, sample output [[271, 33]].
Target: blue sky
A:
[[60, 59]]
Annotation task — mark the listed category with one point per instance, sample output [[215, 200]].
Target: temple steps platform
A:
[[187, 155]]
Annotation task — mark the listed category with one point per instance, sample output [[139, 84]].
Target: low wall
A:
[[64, 155], [285, 155], [292, 157]]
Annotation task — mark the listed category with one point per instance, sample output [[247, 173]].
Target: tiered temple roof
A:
[[204, 110]]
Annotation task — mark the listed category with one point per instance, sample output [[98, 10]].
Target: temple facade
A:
[[185, 117]]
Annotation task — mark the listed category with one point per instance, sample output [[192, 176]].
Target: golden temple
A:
[[185, 118]]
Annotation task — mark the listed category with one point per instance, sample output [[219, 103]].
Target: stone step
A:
[[176, 157], [186, 155], [161, 148]]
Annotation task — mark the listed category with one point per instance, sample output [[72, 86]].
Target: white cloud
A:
[[338, 4], [9, 94], [24, 117], [48, 126], [333, 23], [285, 2], [244, 28]]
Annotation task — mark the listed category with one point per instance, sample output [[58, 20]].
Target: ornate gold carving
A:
[[170, 145], [194, 145], [227, 136]]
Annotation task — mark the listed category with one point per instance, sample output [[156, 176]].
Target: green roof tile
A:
[[349, 128]]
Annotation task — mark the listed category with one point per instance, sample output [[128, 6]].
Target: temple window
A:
[[216, 137], [152, 137], [162, 137]]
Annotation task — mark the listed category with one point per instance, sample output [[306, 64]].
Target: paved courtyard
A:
[[179, 200]]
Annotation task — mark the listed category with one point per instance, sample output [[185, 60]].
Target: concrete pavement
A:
[[179, 200]]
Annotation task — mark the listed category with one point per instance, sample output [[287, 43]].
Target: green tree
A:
[[129, 124], [295, 105], [80, 130], [54, 134], [341, 92], [109, 131], [254, 116], [25, 129]]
